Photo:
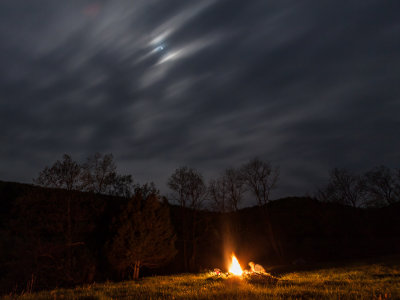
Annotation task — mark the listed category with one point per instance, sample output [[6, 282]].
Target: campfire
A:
[[235, 268], [256, 273]]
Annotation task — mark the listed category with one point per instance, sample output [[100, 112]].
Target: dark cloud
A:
[[307, 85]]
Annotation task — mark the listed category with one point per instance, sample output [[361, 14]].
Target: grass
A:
[[357, 281]]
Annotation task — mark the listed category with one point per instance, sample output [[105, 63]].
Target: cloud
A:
[[308, 86]]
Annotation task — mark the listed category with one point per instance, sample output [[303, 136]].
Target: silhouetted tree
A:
[[217, 192], [99, 175], [226, 192], [189, 191], [144, 235], [344, 187], [63, 174], [188, 187], [122, 186], [235, 187], [261, 178], [381, 187]]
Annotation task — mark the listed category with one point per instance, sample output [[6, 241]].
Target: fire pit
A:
[[236, 273]]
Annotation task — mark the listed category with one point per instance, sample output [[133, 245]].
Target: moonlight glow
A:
[[159, 48]]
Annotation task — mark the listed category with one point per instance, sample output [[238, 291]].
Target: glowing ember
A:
[[235, 267]]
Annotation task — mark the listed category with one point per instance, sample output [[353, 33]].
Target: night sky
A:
[[306, 85]]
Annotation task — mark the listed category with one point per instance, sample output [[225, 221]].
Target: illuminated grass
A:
[[375, 281]]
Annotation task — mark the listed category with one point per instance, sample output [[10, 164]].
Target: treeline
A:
[[85, 222], [79, 219], [378, 187]]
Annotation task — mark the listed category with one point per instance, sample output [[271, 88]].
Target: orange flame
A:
[[235, 266]]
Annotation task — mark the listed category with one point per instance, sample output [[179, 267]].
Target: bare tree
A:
[[226, 192], [380, 185], [261, 178], [121, 186], [344, 187], [188, 187], [235, 187], [99, 175], [189, 191], [63, 174], [217, 192]]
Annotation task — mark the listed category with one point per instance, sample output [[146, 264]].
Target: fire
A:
[[235, 266]]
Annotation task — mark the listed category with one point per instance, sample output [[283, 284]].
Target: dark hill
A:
[[306, 231]]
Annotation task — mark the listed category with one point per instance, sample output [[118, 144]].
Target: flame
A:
[[235, 266]]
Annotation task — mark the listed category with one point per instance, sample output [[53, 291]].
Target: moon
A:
[[159, 48]]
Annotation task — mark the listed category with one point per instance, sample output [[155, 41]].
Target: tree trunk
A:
[[185, 236], [193, 257], [193, 240], [136, 269], [69, 236], [270, 232]]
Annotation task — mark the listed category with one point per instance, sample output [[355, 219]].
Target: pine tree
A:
[[144, 236]]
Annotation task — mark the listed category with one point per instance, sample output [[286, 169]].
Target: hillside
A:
[[306, 232]]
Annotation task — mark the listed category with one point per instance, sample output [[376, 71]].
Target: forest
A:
[[84, 222]]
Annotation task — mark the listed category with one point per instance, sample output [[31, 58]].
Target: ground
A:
[[362, 280]]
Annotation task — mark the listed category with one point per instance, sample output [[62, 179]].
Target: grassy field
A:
[[379, 280]]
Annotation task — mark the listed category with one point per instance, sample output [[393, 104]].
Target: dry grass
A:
[[361, 281]]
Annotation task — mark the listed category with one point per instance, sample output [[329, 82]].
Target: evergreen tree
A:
[[144, 236]]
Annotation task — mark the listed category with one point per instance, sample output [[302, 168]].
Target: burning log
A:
[[256, 268], [256, 275]]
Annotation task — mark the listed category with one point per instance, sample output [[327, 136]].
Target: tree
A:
[[217, 192], [344, 187], [121, 186], [144, 235], [235, 187], [99, 175], [188, 187], [380, 186], [226, 192], [261, 178], [63, 174], [189, 191]]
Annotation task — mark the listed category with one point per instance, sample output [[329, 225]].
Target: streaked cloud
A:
[[306, 85]]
